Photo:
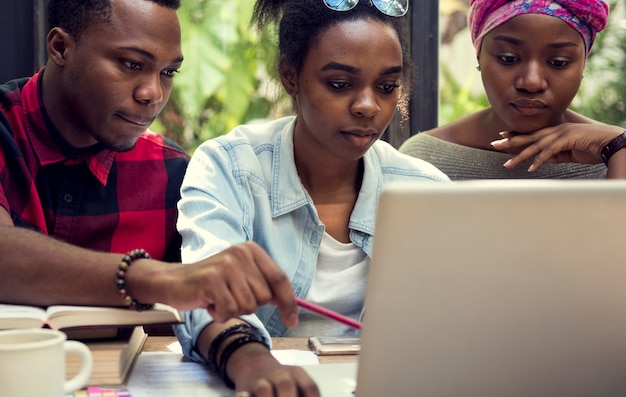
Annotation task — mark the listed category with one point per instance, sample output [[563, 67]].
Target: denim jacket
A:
[[244, 186]]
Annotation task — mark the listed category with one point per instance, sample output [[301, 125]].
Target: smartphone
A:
[[335, 345]]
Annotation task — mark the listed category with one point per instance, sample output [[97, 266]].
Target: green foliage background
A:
[[602, 94], [223, 81]]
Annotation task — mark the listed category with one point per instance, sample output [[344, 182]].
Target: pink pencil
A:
[[328, 313]]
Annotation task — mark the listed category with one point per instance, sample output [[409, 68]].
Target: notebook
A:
[[497, 288]]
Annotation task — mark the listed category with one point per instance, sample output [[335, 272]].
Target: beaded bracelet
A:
[[215, 344], [230, 349], [120, 279]]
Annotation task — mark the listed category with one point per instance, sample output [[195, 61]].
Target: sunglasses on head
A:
[[393, 8]]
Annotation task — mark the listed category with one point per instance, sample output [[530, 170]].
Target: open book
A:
[[69, 317]]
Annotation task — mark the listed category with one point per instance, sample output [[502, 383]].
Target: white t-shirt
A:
[[338, 285]]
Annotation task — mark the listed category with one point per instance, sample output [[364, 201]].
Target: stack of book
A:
[[114, 335]]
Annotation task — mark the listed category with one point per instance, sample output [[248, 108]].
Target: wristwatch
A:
[[617, 143]]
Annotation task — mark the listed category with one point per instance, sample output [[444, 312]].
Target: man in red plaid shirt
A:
[[83, 182]]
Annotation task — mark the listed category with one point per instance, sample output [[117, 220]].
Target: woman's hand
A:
[[564, 143], [256, 373]]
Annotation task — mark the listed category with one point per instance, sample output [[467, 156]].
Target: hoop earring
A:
[[478, 67]]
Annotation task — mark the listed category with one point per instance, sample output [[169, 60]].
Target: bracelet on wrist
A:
[[222, 336], [231, 348], [120, 279]]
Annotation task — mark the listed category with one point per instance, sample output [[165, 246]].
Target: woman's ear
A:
[[58, 42], [288, 76]]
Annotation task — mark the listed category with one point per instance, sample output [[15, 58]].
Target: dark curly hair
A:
[[75, 16], [300, 23]]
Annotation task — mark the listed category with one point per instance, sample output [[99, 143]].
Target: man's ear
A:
[[288, 76], [58, 42]]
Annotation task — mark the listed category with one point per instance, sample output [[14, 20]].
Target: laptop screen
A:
[[497, 288]]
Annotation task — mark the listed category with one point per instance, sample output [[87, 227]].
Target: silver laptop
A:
[[497, 288]]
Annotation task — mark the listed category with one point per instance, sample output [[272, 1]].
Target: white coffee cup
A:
[[32, 363]]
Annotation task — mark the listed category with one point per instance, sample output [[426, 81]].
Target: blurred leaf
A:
[[221, 83]]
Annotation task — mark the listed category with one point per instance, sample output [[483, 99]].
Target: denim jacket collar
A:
[[288, 193]]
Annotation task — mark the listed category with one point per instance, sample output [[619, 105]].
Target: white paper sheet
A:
[[158, 374]]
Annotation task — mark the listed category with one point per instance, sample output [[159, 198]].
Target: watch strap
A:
[[616, 144]]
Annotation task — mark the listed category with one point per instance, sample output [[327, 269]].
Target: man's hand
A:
[[233, 282]]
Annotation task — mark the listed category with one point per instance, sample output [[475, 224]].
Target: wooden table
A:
[[162, 343]]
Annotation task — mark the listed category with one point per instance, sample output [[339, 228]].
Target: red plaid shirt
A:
[[95, 198]]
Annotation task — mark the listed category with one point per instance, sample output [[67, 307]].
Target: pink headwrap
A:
[[587, 17]]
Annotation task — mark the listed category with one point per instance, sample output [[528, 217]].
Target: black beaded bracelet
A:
[[230, 349], [215, 344], [120, 279]]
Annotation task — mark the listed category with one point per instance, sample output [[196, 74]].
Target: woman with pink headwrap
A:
[[531, 55]]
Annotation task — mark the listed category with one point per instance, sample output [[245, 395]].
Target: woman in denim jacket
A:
[[305, 188]]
